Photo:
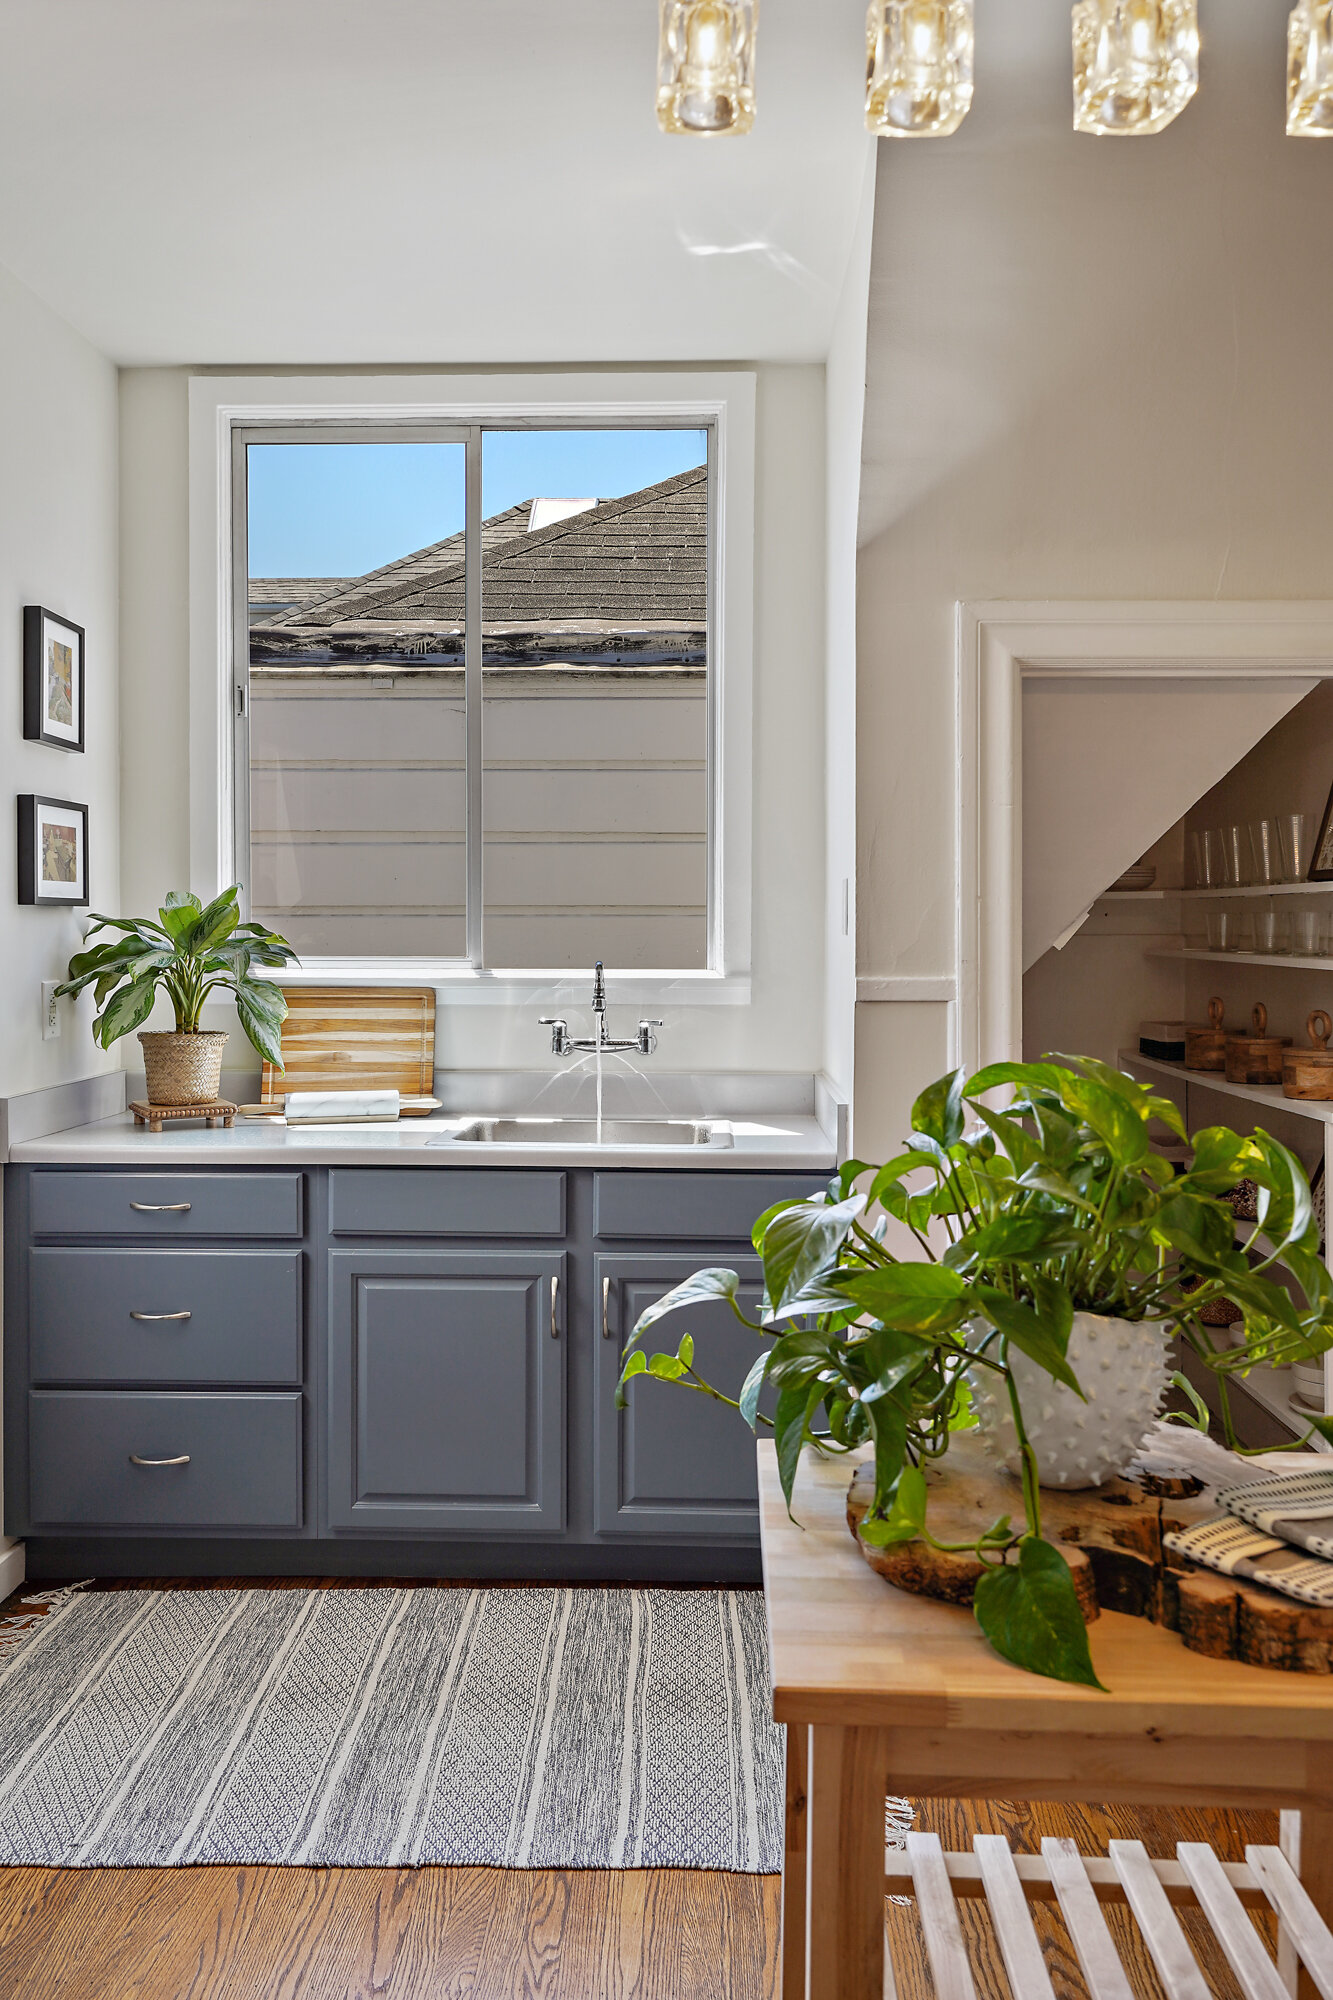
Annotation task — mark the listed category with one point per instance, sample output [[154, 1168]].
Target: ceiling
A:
[[417, 181]]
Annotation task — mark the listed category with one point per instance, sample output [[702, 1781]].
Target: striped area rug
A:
[[516, 1728]]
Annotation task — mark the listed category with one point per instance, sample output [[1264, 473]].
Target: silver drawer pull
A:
[[135, 1459], [606, 1309], [146, 1316], [555, 1294], [161, 1207]]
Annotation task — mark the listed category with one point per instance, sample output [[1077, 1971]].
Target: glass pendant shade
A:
[[1310, 70], [918, 67], [1136, 64], [705, 65]]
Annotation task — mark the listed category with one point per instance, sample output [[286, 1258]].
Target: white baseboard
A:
[[13, 1568]]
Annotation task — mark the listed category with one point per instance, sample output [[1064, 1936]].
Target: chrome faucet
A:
[[565, 1044]]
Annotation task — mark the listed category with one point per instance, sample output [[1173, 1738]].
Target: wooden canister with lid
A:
[[1308, 1073], [1206, 1048], [1256, 1058]]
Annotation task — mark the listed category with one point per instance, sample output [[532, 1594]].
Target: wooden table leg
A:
[[847, 1781], [794, 1864]]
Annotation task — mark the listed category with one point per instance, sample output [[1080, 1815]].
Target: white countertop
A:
[[760, 1141]]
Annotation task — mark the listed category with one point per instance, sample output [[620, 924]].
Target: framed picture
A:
[[53, 851], [1319, 1202], [1321, 867], [52, 679]]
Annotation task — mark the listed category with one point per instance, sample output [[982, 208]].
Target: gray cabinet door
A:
[[165, 1316], [673, 1462], [446, 1392], [73, 1202], [134, 1459]]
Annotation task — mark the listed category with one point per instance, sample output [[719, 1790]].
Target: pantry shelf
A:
[[1273, 958], [1254, 1093]]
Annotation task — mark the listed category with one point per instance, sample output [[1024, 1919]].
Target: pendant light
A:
[[918, 67], [705, 66], [1310, 70], [1136, 64]]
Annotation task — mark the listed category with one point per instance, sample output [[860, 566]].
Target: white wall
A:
[[1093, 373], [57, 548], [845, 385], [782, 1028]]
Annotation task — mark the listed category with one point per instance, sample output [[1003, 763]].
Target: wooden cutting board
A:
[[357, 1038]]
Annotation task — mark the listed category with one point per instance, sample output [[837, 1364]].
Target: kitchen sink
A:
[[587, 1132]]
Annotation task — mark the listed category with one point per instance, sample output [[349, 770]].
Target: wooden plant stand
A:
[[219, 1112], [1112, 1538]]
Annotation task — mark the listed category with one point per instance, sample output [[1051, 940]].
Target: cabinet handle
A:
[[161, 1207], [135, 1459], [139, 1315], [555, 1294], [606, 1309]]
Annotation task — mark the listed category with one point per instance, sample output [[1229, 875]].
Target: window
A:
[[476, 691]]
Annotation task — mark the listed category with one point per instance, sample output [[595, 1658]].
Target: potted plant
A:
[[190, 952], [1041, 1235]]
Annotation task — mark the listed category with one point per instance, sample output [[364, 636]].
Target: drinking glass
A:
[[1272, 930], [1223, 930], [1297, 832], [1209, 851], [1307, 933], [1265, 851], [1235, 857]]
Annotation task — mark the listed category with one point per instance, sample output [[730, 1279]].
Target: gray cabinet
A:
[[446, 1391], [673, 1463], [460, 1201], [159, 1316], [149, 1460], [110, 1202]]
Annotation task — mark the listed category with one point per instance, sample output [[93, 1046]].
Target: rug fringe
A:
[[899, 1818], [21, 1624]]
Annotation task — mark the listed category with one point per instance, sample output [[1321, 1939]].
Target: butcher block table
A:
[[884, 1692]]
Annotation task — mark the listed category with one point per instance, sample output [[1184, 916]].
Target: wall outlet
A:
[[50, 1011]]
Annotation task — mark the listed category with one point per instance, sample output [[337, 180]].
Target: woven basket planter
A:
[[183, 1069]]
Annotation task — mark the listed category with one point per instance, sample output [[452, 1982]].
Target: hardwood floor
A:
[[493, 1934]]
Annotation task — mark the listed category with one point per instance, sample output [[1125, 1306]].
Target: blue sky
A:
[[343, 509]]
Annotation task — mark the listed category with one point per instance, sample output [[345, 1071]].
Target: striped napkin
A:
[[1275, 1531], [1237, 1549], [1297, 1509]]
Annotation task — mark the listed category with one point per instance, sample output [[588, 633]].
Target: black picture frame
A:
[[43, 632], [42, 826], [1323, 847]]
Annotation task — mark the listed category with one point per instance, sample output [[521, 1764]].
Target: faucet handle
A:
[[647, 1039], [560, 1042]]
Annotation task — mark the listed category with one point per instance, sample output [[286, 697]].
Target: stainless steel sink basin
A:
[[585, 1132]]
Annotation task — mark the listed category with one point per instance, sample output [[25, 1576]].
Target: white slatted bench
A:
[[1223, 1890]]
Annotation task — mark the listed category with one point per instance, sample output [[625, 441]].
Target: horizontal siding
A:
[[595, 822]]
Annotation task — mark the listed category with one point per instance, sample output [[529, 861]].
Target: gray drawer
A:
[[114, 1315], [703, 1204], [66, 1203], [244, 1455], [445, 1201]]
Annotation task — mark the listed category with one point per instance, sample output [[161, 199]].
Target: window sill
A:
[[462, 985]]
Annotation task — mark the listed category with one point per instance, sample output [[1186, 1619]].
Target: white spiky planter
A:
[[1121, 1365]]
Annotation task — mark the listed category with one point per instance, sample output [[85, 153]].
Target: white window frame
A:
[[721, 401]]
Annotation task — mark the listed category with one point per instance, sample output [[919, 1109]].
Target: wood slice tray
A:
[[1112, 1539]]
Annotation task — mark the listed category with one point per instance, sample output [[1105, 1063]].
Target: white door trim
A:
[[996, 645]]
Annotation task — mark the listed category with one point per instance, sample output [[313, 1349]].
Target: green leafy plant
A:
[[1054, 1204], [189, 953]]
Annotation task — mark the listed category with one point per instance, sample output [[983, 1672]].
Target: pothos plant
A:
[[1015, 1219], [190, 952]]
